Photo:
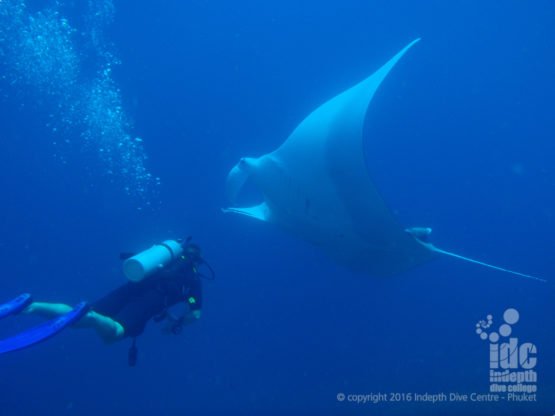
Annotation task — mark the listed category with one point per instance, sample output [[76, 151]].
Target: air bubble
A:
[[41, 53]]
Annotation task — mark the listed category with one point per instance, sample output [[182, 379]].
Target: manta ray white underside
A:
[[316, 186]]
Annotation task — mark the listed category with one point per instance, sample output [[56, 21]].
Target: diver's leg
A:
[[47, 310], [109, 330]]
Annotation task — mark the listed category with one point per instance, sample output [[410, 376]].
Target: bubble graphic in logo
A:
[[511, 316]]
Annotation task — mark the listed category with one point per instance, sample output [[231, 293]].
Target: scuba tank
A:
[[147, 262]]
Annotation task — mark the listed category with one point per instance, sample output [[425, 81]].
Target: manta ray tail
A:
[[447, 253], [422, 235]]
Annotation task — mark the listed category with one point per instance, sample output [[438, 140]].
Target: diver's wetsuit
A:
[[134, 304]]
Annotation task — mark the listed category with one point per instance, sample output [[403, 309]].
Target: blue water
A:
[[119, 123]]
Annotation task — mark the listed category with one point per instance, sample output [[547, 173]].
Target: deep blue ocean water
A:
[[98, 100]]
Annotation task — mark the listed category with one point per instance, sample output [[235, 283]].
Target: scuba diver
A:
[[165, 275]]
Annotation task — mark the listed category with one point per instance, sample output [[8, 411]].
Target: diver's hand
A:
[[174, 325]]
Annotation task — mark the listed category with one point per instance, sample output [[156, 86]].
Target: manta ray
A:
[[316, 186]]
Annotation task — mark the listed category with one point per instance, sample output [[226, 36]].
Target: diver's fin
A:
[[44, 331], [15, 305], [440, 251]]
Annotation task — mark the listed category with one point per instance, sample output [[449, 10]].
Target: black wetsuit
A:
[[134, 304]]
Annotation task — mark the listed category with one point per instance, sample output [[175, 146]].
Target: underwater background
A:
[[120, 121]]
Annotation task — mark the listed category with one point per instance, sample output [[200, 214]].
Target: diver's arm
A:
[[191, 317], [174, 324]]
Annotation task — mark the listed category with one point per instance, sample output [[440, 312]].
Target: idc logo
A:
[[512, 363]]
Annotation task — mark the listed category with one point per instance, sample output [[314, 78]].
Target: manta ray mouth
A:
[[249, 194]]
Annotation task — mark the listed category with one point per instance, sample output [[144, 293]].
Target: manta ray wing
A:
[[316, 186]]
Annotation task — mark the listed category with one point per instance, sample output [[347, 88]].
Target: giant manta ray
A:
[[316, 186]]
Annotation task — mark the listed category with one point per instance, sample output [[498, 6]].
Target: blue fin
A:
[[15, 305], [43, 332]]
